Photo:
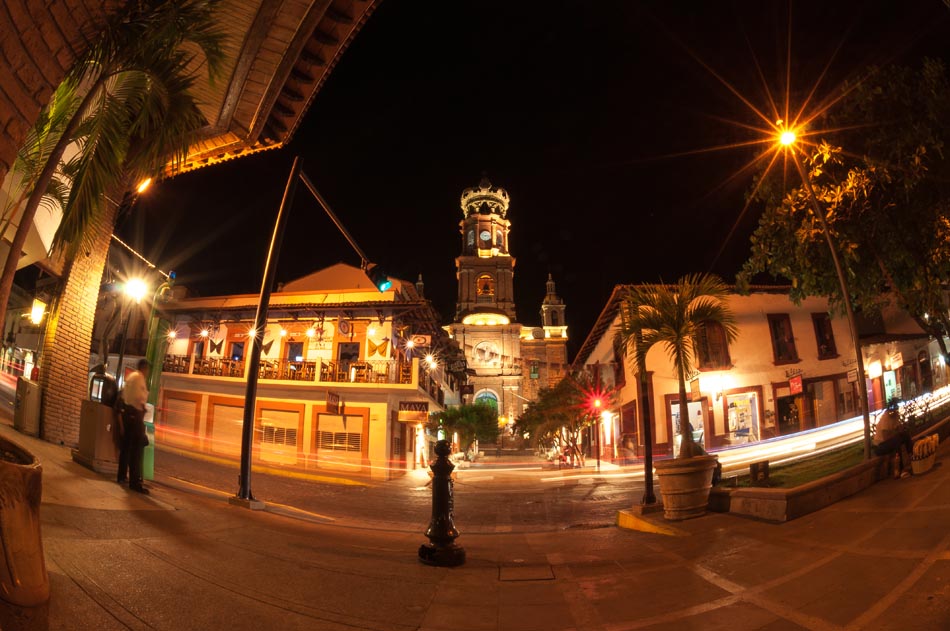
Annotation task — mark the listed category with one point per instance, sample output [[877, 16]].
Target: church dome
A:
[[485, 199]]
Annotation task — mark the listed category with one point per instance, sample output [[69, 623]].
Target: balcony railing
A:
[[378, 371]]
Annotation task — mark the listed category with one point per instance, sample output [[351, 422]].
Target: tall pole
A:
[[158, 328], [260, 320], [597, 436], [119, 373], [648, 495], [846, 295]]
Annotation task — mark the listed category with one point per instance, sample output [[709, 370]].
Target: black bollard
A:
[[442, 550]]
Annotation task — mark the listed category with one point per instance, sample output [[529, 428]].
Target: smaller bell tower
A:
[[552, 308]]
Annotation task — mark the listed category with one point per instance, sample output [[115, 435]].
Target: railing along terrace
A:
[[333, 371]]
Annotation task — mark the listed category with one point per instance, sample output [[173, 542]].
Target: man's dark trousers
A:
[[133, 445]]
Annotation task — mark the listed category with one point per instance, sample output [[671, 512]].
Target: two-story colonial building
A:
[[791, 368], [347, 376]]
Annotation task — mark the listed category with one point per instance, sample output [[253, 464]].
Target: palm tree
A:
[[135, 115], [34, 154], [673, 316]]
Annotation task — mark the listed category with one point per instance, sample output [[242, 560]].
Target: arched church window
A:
[[554, 318], [499, 239], [485, 286], [487, 398]]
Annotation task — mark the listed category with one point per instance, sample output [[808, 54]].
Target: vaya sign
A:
[[795, 384]]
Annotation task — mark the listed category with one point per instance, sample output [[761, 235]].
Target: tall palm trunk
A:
[[36, 197], [687, 447]]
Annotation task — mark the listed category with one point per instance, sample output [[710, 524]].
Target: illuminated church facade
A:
[[511, 362]]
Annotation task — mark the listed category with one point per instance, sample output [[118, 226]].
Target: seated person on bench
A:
[[890, 436]]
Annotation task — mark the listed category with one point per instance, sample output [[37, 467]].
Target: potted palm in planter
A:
[[672, 316]]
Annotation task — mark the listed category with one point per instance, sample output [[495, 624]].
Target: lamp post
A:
[[135, 289], [244, 497], [157, 339], [643, 383], [787, 139]]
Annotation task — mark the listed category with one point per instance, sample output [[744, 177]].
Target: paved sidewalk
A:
[[178, 559]]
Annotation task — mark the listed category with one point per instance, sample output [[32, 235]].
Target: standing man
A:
[[131, 408]]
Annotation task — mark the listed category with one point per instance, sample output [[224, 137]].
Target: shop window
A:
[[926, 374], [824, 335], [820, 397], [712, 349], [783, 342], [847, 401], [742, 418]]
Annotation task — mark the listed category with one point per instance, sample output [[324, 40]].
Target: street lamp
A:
[[244, 497], [787, 138], [134, 289]]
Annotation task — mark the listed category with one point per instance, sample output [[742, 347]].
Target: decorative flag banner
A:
[[379, 348]]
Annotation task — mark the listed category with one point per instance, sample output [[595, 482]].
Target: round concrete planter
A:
[[685, 485], [23, 577]]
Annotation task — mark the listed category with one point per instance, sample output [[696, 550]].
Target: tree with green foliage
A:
[[472, 422], [558, 417], [126, 103], [884, 187], [672, 317]]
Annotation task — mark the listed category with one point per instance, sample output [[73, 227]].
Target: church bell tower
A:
[[485, 269]]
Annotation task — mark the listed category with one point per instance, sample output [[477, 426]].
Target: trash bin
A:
[[148, 458], [26, 408]]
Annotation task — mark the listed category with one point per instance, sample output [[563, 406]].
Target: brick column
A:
[[64, 360]]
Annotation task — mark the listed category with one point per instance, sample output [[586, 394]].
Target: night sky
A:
[[590, 114]]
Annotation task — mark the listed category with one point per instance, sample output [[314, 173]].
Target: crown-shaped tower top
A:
[[485, 199]]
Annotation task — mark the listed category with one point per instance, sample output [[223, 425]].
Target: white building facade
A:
[[791, 368]]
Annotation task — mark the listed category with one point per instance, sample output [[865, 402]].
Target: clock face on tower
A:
[[486, 354], [485, 235]]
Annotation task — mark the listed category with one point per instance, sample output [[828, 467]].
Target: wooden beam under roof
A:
[[280, 53]]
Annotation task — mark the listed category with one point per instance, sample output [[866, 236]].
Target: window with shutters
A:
[[712, 350], [824, 335], [783, 342]]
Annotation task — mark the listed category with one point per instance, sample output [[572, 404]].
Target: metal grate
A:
[[272, 435], [339, 441]]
